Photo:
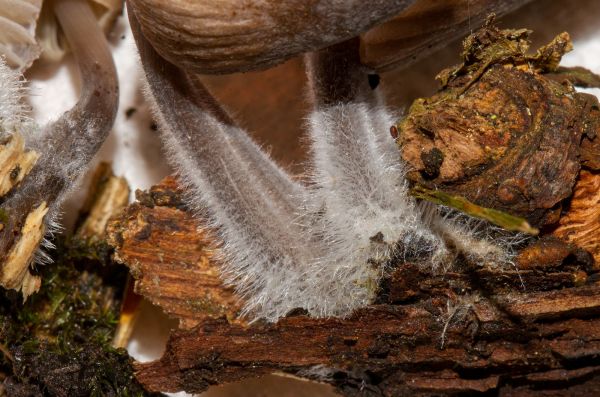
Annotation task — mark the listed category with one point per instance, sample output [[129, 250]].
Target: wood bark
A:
[[172, 257], [532, 331], [507, 130]]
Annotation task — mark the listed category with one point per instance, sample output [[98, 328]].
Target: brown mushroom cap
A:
[[226, 36]]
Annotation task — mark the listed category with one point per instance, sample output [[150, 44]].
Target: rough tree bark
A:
[[535, 331]]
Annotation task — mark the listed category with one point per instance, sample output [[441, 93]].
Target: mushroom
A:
[[18, 20], [219, 37], [233, 35], [61, 149]]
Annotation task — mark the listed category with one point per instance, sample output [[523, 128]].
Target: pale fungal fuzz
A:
[[358, 175], [322, 247], [60, 150]]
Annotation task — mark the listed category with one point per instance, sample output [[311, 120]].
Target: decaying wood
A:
[[396, 350], [581, 223], [511, 332], [107, 196], [172, 259], [500, 133]]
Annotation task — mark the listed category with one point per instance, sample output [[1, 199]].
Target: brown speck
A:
[[377, 238], [432, 160], [394, 132], [506, 194], [130, 111], [144, 233], [14, 173]]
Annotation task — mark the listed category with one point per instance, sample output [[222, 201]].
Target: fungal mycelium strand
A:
[[323, 246]]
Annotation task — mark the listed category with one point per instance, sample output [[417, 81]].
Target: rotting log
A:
[[534, 331]]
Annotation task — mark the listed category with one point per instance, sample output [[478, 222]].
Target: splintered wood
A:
[[172, 258], [497, 335], [581, 223]]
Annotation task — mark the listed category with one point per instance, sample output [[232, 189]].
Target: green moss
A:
[[60, 339], [3, 216]]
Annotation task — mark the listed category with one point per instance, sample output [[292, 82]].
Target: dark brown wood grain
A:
[[527, 331]]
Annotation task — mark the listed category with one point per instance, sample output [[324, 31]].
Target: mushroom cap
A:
[[226, 36], [18, 19]]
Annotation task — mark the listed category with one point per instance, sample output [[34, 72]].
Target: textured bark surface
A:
[[535, 331], [581, 223], [171, 257], [499, 132]]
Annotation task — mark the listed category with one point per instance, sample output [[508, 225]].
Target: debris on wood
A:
[[494, 323], [499, 133], [107, 196]]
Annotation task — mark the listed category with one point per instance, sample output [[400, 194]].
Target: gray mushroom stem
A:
[[65, 147]]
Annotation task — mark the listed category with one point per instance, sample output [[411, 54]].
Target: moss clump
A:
[[58, 343]]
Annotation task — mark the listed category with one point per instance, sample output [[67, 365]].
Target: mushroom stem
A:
[[253, 202], [358, 170], [65, 146]]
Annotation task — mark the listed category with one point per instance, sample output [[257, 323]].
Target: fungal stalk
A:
[[359, 178], [62, 150], [252, 202], [322, 247]]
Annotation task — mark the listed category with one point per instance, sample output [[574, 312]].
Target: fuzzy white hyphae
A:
[[12, 111], [323, 246]]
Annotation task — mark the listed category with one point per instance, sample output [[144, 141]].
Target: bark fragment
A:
[[502, 330], [505, 136], [108, 195], [395, 349], [581, 223], [172, 257]]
